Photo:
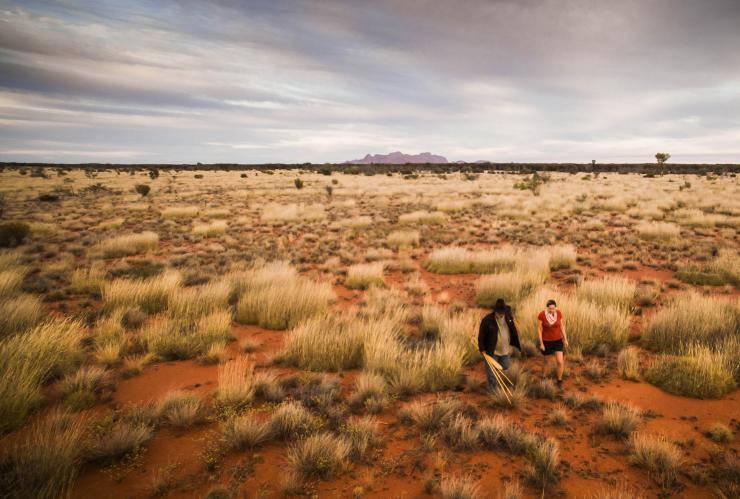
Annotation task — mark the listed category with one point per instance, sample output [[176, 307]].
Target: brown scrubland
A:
[[312, 334]]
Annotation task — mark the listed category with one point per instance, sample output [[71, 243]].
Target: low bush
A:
[[13, 234], [364, 275]]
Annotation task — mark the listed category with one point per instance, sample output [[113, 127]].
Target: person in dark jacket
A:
[[496, 336]]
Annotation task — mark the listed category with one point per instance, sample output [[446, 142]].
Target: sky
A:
[[290, 81]]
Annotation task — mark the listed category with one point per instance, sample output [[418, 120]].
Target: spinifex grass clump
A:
[[275, 297], [174, 339], [456, 260], [724, 269], [150, 295], [616, 292], [364, 275], [44, 461], [692, 318], [656, 455], [127, 245], [235, 385], [47, 351], [701, 373]]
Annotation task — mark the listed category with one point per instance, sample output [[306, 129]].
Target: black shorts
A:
[[552, 346]]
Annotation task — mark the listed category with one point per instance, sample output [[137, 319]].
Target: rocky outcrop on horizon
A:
[[398, 158]]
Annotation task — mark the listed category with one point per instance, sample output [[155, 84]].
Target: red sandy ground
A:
[[399, 468]]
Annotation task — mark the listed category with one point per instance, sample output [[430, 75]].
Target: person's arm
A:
[[562, 329], [539, 333], [482, 330]]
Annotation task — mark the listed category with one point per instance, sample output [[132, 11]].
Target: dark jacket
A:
[[488, 333]]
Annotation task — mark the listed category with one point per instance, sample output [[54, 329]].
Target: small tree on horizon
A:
[[661, 158]]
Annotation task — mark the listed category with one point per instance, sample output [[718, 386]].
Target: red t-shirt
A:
[[551, 332]]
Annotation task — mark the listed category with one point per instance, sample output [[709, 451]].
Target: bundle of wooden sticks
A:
[[498, 372]]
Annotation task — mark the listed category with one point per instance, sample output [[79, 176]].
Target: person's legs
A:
[[491, 379], [503, 360], [544, 365], [559, 357]]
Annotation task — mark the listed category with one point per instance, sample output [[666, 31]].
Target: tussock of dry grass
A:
[[128, 245], [235, 385], [174, 212], [403, 238], [277, 213], [656, 455], [319, 456], [177, 339], [456, 260], [609, 292], [151, 295], [692, 318], [44, 461], [210, 229], [422, 217], [658, 231], [49, 350], [275, 297], [19, 313], [364, 275]]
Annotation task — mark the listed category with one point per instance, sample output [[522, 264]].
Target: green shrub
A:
[[13, 234], [142, 189]]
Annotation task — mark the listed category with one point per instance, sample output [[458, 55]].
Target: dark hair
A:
[[500, 306], [551, 302]]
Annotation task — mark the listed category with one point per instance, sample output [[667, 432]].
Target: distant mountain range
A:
[[398, 158]]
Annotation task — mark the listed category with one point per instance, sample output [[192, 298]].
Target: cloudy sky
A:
[[330, 80]]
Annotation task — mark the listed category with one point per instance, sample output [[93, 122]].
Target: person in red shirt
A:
[[553, 340]]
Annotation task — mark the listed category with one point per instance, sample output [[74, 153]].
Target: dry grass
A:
[[235, 385], [319, 456], [274, 297], [628, 364], [364, 275], [655, 454], [658, 231], [128, 245], [422, 217], [457, 260], [277, 213], [456, 487], [619, 419], [403, 238], [211, 229], [19, 313], [701, 373], [151, 295], [175, 212], [245, 432], [691, 318], [616, 292], [49, 350], [44, 461]]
